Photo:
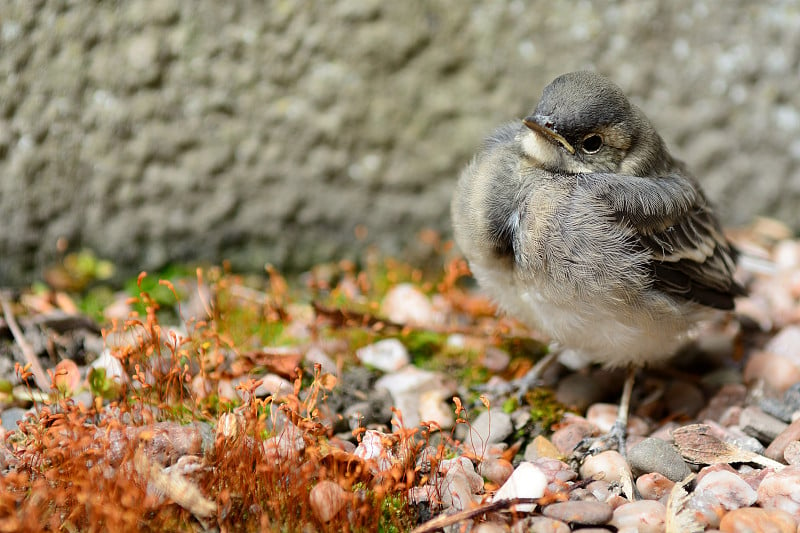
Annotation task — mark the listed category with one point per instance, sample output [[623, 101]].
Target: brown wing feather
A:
[[674, 223]]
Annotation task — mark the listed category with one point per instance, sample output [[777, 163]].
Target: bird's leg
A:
[[617, 435], [520, 386]]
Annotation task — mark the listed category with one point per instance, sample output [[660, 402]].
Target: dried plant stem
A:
[[41, 379]]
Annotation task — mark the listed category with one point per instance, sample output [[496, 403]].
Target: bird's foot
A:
[[615, 439]]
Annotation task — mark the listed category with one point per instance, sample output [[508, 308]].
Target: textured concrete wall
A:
[[154, 131]]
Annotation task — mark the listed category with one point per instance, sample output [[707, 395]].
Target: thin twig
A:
[[41, 379], [491, 507]]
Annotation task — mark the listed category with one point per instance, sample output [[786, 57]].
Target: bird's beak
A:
[[534, 123]]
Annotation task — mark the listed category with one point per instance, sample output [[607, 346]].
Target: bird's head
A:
[[584, 123]]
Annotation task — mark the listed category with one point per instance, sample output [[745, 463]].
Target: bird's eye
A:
[[592, 143]]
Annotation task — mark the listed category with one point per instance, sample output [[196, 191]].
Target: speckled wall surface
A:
[[157, 131]]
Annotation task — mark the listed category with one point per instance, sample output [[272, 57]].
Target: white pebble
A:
[[527, 481]]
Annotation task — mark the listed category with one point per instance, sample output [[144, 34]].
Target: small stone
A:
[[573, 432], [609, 466], [496, 470], [785, 344], [644, 516], [317, 356], [406, 387], [778, 490], [273, 385], [490, 427], [731, 491], [67, 377], [527, 481], [387, 355], [327, 499], [728, 395], [760, 425], [375, 446], [539, 524], [495, 359], [705, 510], [600, 490], [779, 373], [654, 486], [541, 447], [755, 520], [556, 471], [10, 416], [458, 487], [579, 512], [776, 448], [684, 398], [406, 304], [432, 408], [791, 454], [488, 527], [656, 455], [579, 391]]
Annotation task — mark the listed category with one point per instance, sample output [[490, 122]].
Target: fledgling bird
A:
[[579, 222]]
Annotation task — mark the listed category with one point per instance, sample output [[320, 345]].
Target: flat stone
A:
[[776, 448], [579, 512], [644, 516], [756, 520], [656, 455], [760, 425]]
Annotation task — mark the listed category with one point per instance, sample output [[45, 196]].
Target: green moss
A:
[[545, 410]]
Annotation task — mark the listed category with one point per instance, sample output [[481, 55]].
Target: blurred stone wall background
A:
[[159, 131]]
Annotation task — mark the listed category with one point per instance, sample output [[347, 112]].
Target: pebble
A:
[[406, 387], [777, 447], [495, 470], [579, 512], [579, 391], [112, 366], [539, 524], [527, 481], [460, 485], [731, 491], [387, 355], [756, 520], [728, 395], [654, 486], [490, 427], [779, 490], [541, 447], [784, 344], [791, 454], [433, 408], [67, 377], [406, 304], [317, 356], [760, 425], [567, 437], [10, 416], [656, 455], [609, 466], [644, 516], [488, 527], [271, 385], [682, 397], [327, 499], [599, 490], [557, 472], [778, 373], [372, 448], [495, 359]]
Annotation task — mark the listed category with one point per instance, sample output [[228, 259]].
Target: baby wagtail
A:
[[578, 221]]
